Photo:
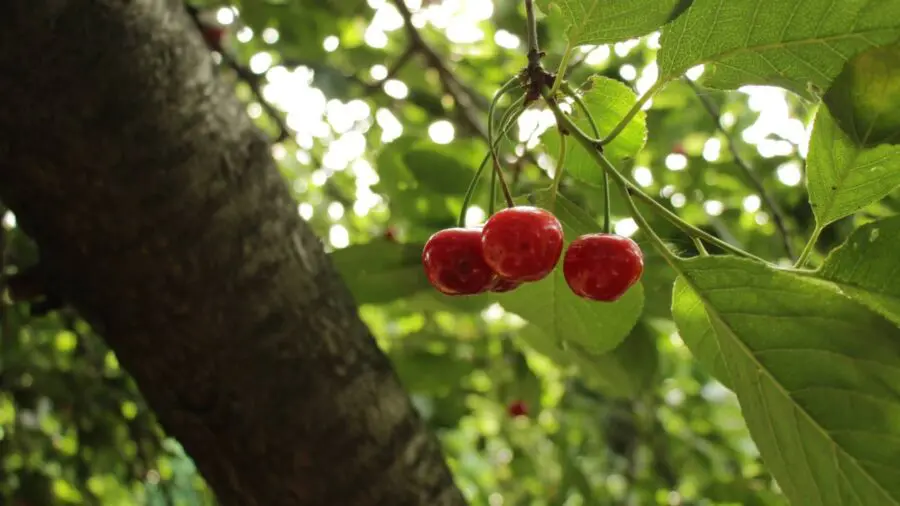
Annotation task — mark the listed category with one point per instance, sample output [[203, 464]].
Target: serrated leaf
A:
[[841, 177], [438, 172], [816, 375], [381, 271], [603, 21], [696, 330], [608, 100], [866, 267], [550, 305], [865, 97], [788, 43]]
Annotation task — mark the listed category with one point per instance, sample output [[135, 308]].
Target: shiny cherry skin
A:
[[522, 243], [454, 264], [602, 267], [501, 285], [517, 409]]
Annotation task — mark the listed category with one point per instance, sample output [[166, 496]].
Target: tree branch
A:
[[244, 74], [174, 234], [469, 112], [767, 199]]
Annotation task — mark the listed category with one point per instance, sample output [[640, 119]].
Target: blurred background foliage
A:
[[381, 111]]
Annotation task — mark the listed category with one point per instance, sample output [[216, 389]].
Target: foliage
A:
[[738, 376]]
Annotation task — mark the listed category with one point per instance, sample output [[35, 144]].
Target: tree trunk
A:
[[162, 218]]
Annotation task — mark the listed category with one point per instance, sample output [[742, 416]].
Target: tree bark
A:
[[162, 218]]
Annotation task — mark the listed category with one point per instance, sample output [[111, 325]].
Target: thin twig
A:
[[534, 48], [537, 76], [767, 199], [469, 112], [470, 103], [395, 68], [254, 81]]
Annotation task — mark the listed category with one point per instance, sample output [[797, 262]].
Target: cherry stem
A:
[[621, 183], [498, 172], [507, 195], [632, 190], [563, 66], [492, 194], [514, 108], [506, 88], [509, 120], [623, 123], [607, 206]]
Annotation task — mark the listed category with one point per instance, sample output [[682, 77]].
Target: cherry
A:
[[390, 234], [501, 285], [602, 266], [213, 36], [522, 243], [517, 409], [454, 264]]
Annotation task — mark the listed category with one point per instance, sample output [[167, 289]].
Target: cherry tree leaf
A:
[[817, 376], [551, 306], [696, 330], [608, 100], [841, 177], [865, 97], [788, 43], [381, 271], [603, 21], [866, 267], [438, 172], [624, 372]]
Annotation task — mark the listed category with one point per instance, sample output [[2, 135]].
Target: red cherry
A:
[[454, 264], [522, 243], [213, 36], [504, 285], [517, 409], [602, 266], [390, 234]]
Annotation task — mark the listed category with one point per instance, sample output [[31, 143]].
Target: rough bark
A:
[[162, 218]]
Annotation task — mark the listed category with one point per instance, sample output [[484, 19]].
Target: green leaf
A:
[[865, 97], [392, 172], [438, 172], [603, 21], [788, 43], [550, 305], [816, 375], [623, 372], [608, 100], [626, 371], [422, 372], [696, 330], [866, 268], [381, 271], [843, 178]]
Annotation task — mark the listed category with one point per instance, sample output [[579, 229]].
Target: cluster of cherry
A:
[[523, 244]]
